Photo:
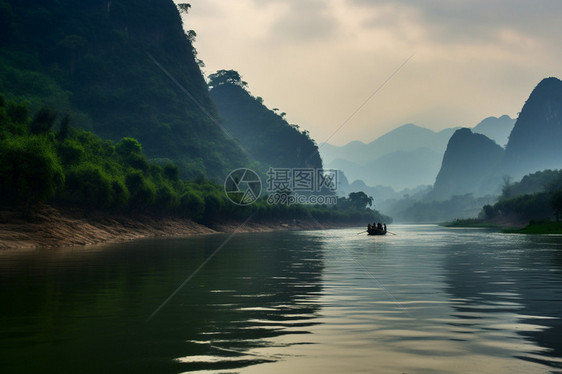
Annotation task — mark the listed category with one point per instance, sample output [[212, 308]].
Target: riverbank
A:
[[509, 227], [471, 222], [538, 228], [51, 227]]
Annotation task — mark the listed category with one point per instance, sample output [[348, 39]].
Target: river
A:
[[426, 300]]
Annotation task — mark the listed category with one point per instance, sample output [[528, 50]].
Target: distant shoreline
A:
[[51, 227], [533, 227]]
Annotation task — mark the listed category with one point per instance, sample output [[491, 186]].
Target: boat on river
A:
[[375, 231]]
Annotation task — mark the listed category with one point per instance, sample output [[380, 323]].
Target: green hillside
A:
[[263, 132], [120, 68]]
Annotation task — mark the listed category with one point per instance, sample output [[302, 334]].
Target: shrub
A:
[[142, 191], [89, 185], [29, 170], [192, 205], [70, 152]]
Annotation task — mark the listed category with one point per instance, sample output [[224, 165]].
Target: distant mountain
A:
[[399, 169], [381, 194], [497, 129], [263, 133], [474, 164], [406, 157], [536, 140], [121, 69], [405, 138], [468, 165]]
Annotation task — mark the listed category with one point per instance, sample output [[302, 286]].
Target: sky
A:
[[355, 69]]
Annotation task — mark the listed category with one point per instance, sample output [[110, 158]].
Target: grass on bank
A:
[[538, 227], [470, 222]]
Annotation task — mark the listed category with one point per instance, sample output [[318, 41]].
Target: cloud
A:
[[318, 60], [459, 20], [305, 21]]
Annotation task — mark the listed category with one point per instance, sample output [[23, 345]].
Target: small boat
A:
[[375, 231]]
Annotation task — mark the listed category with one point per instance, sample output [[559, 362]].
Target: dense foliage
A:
[[120, 68], [44, 159], [536, 196], [264, 133]]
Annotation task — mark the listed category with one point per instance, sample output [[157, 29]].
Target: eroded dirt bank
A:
[[51, 227]]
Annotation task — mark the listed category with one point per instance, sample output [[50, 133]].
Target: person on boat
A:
[[384, 224], [379, 226], [369, 227]]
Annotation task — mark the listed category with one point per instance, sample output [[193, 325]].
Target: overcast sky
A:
[[319, 61]]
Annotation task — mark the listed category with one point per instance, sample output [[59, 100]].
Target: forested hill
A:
[[93, 60], [468, 163], [535, 142], [263, 132]]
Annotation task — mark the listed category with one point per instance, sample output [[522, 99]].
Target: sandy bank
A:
[[50, 227]]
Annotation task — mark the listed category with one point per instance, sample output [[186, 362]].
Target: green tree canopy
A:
[[556, 203], [43, 121], [126, 146], [29, 170], [226, 77], [360, 200]]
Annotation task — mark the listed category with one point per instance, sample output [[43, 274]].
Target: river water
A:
[[426, 300]]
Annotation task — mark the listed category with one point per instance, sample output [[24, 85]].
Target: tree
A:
[[184, 7], [192, 205], [64, 128], [43, 121], [126, 146], [488, 212], [130, 151], [70, 152], [556, 203], [142, 191], [191, 35], [29, 170], [507, 187], [89, 185], [360, 200], [18, 112], [226, 77], [172, 172]]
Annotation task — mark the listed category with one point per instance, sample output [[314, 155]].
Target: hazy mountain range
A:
[[407, 156], [475, 164]]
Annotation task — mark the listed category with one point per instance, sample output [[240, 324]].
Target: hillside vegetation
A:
[[262, 132], [44, 159], [121, 69]]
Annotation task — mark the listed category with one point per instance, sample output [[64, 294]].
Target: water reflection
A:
[[429, 300], [84, 310], [507, 287]]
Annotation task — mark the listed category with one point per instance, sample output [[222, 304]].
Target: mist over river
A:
[[426, 300]]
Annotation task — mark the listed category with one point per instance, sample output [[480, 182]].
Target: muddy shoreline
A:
[[47, 226]]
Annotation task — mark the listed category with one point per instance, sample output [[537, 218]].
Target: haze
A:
[[318, 61]]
